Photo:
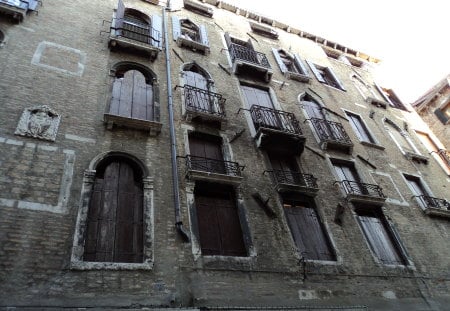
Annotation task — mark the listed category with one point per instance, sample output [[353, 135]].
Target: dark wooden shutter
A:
[[176, 27], [209, 151], [156, 31], [219, 226], [335, 78], [115, 96], [308, 233], [285, 168], [203, 35], [314, 110], [316, 72], [441, 116], [114, 230], [120, 13], [301, 65], [199, 100], [280, 62], [360, 128]]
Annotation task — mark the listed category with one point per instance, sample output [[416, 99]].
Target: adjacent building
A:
[[195, 155]]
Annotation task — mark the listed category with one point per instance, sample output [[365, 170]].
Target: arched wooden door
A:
[[132, 97], [115, 218]]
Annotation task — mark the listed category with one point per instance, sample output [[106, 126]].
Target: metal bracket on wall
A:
[[264, 204], [178, 55], [237, 135], [339, 213], [224, 69]]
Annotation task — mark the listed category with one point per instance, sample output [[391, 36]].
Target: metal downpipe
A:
[[173, 146]]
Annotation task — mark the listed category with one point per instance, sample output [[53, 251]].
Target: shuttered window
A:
[[308, 232], [382, 239], [290, 63], [360, 128], [206, 153], [115, 218], [187, 33], [132, 96], [219, 227], [326, 76], [417, 188]]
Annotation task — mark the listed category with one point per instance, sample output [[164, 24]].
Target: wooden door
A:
[[307, 232], [261, 98], [200, 100], [115, 219], [207, 154], [132, 97], [219, 226], [285, 169], [350, 178]]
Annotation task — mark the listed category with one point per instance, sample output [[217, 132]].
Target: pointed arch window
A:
[[291, 65], [114, 224], [134, 99], [189, 34]]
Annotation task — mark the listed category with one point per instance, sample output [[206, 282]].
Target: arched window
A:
[[134, 98], [114, 222]]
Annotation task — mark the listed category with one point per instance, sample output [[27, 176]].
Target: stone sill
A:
[[153, 127], [238, 63], [432, 211], [297, 76], [90, 265], [369, 144], [214, 177], [194, 45], [122, 42], [285, 187], [366, 199]]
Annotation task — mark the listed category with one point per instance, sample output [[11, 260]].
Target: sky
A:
[[412, 38]]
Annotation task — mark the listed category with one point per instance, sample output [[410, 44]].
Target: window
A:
[[307, 230], [349, 178], [20, 8], [440, 154], [325, 75], [381, 236], [443, 114], [291, 65], [404, 142], [360, 128], [218, 220], [367, 92], [260, 98], [113, 228], [131, 28], [134, 99], [390, 97], [206, 153], [285, 168], [189, 34]]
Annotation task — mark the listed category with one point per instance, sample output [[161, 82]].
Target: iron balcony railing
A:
[[264, 117], [427, 201], [444, 155], [294, 178], [330, 131], [360, 188], [200, 100], [213, 166], [239, 52], [144, 34]]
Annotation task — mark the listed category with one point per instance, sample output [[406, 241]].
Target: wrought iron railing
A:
[[360, 188], [330, 131], [144, 34], [427, 201], [264, 117], [203, 101], [239, 52], [213, 166], [444, 155], [295, 178]]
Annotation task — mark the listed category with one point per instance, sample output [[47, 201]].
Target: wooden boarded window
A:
[[381, 238], [285, 168], [115, 217], [307, 231], [360, 128], [206, 152], [132, 96], [219, 227]]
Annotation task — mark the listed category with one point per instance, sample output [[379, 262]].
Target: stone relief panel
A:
[[39, 122]]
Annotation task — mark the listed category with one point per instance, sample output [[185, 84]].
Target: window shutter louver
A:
[[279, 61], [176, 27], [341, 86], [204, 35], [315, 72], [156, 31], [120, 12], [300, 64]]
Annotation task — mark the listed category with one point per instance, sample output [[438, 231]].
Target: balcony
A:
[[203, 105], [277, 130], [17, 8], [290, 181], [332, 135], [434, 206], [247, 59], [206, 169], [362, 192], [135, 37]]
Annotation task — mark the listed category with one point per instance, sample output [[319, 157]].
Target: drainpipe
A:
[[173, 146]]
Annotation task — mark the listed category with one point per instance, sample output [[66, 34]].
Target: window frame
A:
[[372, 142], [302, 73], [437, 146], [326, 76], [76, 260], [202, 44]]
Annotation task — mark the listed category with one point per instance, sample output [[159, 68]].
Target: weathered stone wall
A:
[[60, 58]]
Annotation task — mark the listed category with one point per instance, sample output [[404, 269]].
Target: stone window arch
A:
[[110, 232], [134, 100]]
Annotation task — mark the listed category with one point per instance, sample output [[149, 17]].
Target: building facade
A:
[[195, 155]]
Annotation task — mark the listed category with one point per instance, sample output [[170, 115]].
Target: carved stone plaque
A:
[[39, 122]]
